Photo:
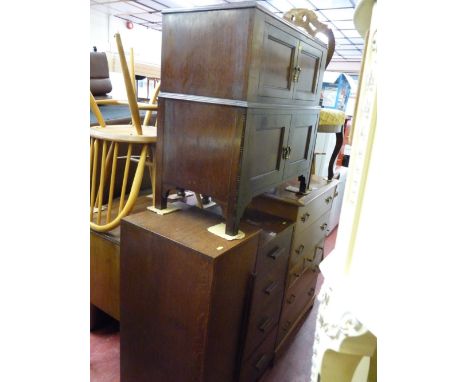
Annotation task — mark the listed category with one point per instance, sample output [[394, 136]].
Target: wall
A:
[[146, 44]]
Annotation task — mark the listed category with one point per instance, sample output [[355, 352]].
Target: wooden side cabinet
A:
[[238, 108], [195, 307]]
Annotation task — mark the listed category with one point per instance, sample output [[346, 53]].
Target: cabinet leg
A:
[[232, 224], [161, 200], [336, 150]]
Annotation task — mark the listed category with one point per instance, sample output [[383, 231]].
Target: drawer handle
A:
[[323, 226], [291, 299], [311, 292], [287, 325], [329, 199], [275, 253], [265, 325], [336, 194], [299, 249], [260, 365], [321, 254], [270, 288], [309, 259], [305, 217]]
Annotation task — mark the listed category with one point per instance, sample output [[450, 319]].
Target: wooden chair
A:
[[307, 19], [104, 149]]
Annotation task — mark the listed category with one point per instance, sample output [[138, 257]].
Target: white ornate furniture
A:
[[344, 348]]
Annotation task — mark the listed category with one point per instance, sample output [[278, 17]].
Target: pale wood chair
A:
[[105, 140]]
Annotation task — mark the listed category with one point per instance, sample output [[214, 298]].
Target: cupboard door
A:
[[279, 51], [268, 137], [307, 72], [301, 141]]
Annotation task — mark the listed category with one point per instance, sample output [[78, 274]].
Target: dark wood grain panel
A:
[[279, 52], [211, 144], [191, 42], [182, 297]]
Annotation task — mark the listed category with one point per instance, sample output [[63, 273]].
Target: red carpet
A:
[[293, 366]]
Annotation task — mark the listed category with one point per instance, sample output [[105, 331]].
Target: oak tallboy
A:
[[239, 104]]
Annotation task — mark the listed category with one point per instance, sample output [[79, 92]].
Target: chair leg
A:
[[336, 150]]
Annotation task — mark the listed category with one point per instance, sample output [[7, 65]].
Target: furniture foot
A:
[[161, 201], [232, 225]]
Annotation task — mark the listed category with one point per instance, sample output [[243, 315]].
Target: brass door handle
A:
[[297, 72], [287, 152]]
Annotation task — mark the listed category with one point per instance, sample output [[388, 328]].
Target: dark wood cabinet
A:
[[196, 307], [238, 104]]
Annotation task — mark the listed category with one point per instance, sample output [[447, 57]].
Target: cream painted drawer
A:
[[308, 214], [305, 241]]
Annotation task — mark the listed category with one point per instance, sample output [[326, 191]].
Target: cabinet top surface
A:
[[317, 187], [189, 227], [241, 5]]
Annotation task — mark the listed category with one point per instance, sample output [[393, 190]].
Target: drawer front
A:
[[295, 272], [268, 290], [254, 366], [261, 322], [295, 301], [272, 258], [305, 241], [313, 261], [308, 214]]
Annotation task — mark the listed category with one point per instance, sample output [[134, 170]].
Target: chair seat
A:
[[331, 120], [124, 133]]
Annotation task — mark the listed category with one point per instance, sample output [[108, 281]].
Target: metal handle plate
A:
[[261, 362], [265, 324], [270, 288], [275, 253]]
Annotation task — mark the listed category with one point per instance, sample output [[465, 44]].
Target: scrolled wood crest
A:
[[307, 19]]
